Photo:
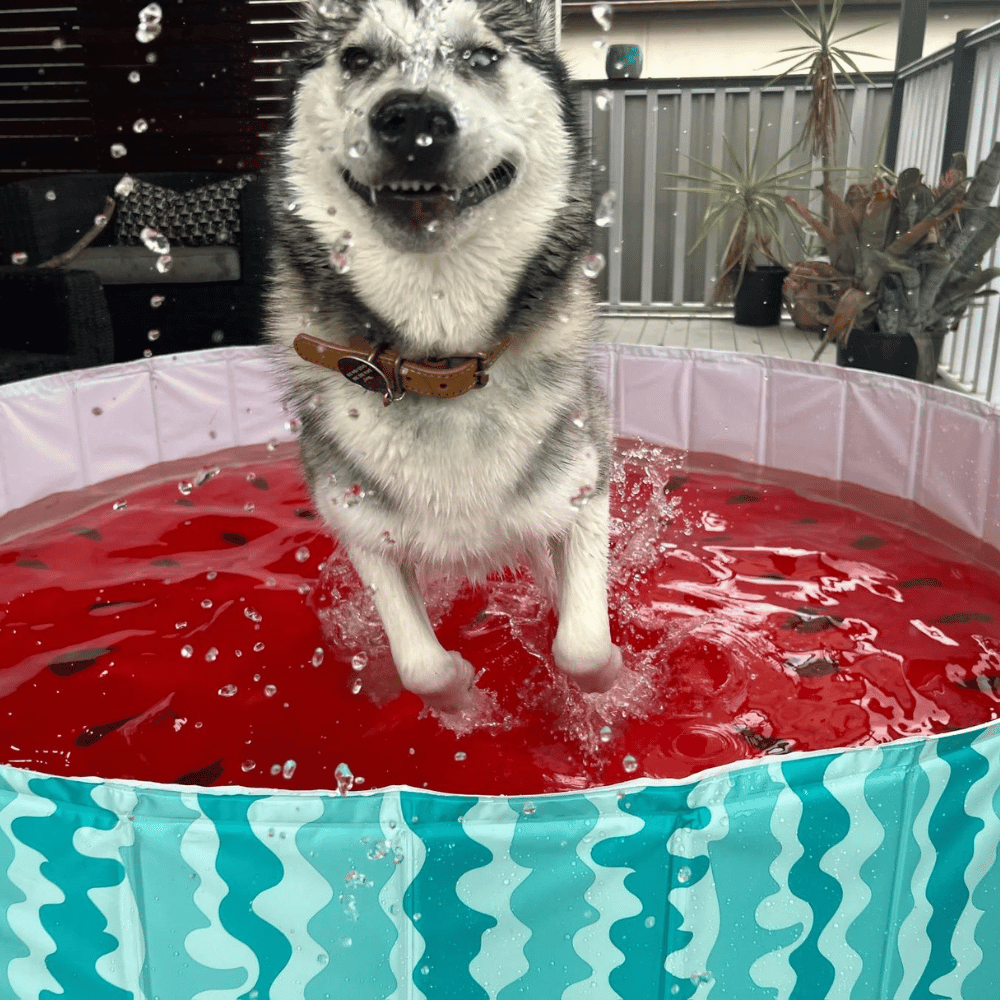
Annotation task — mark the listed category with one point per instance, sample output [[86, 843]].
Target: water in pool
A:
[[205, 629]]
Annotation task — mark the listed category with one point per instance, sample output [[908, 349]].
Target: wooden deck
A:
[[784, 341]]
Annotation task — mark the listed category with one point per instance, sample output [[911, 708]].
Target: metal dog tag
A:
[[366, 374]]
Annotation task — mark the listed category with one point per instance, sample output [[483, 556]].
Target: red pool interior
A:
[[204, 628]]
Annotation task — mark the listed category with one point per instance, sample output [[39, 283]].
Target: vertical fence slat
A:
[[649, 196], [712, 243], [616, 177], [680, 228]]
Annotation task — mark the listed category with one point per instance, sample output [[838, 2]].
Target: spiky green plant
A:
[[747, 204], [904, 258], [824, 57]]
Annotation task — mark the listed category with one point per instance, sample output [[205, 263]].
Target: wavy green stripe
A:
[[655, 874], [76, 925], [353, 928], [451, 930], [550, 900], [952, 832], [247, 868], [741, 864], [824, 822]]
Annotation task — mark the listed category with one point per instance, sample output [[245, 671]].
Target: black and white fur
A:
[[521, 466]]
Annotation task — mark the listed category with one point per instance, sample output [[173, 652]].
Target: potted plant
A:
[[746, 203], [904, 263]]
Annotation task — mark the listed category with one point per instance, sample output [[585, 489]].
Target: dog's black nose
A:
[[414, 126]]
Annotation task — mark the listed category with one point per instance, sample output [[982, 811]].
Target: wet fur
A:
[[465, 484]]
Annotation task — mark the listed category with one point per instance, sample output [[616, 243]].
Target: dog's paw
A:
[[450, 688], [593, 678]]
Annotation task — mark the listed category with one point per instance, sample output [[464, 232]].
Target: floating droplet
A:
[[19, 257], [460, 755], [153, 335], [151, 12], [288, 769], [255, 616], [354, 494], [206, 604], [148, 31], [275, 769], [227, 690], [58, 44], [154, 241], [359, 661], [212, 654], [606, 209], [118, 150], [423, 139], [605, 734], [357, 149], [356, 686], [317, 657], [650, 921], [248, 765], [217, 336], [187, 652], [164, 263], [339, 262], [119, 505], [593, 264], [599, 43], [140, 125], [528, 808], [301, 554], [629, 763], [602, 98], [134, 77], [270, 690], [258, 647], [50, 196], [683, 873], [345, 779], [602, 15], [156, 301]]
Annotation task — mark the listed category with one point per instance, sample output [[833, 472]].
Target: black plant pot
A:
[[623, 62], [880, 352], [758, 299]]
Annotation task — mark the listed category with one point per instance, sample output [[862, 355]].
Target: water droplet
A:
[[528, 808], [206, 604], [602, 15], [605, 734], [269, 690], [140, 125], [275, 771], [50, 196], [649, 921], [199, 480], [258, 647], [217, 336], [354, 494], [164, 263], [58, 44], [683, 874], [153, 335], [599, 43], [317, 657], [156, 301], [119, 505], [425, 970], [606, 209], [212, 655], [346, 942], [19, 257], [345, 779], [629, 763], [339, 262], [185, 488], [288, 769], [359, 661], [255, 616], [593, 264], [301, 554], [602, 98], [154, 241], [180, 625], [148, 31], [423, 139], [356, 686], [187, 652], [460, 755], [582, 497], [248, 765], [227, 690], [118, 150], [134, 77], [357, 149]]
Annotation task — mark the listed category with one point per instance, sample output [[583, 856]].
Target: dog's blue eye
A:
[[356, 59], [481, 58]]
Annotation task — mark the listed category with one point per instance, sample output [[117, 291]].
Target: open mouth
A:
[[413, 191]]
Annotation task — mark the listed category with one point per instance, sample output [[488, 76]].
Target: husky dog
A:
[[430, 318]]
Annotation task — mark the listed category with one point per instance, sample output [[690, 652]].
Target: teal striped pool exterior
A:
[[855, 875]]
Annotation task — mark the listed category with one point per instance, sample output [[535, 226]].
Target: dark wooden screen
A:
[[208, 86]]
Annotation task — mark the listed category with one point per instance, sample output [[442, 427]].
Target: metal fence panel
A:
[[645, 133]]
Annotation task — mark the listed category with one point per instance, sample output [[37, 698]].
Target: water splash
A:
[[606, 209], [602, 15]]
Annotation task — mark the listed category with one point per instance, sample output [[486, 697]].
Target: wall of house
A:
[[733, 43]]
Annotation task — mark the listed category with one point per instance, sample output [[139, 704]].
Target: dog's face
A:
[[426, 120]]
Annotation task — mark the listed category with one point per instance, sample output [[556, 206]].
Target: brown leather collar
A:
[[383, 370]]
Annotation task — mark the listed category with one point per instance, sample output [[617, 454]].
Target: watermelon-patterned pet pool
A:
[[855, 872]]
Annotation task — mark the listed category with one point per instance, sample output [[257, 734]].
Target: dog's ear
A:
[[547, 13]]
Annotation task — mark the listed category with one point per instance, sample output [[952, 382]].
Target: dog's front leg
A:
[[582, 647], [442, 679]]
